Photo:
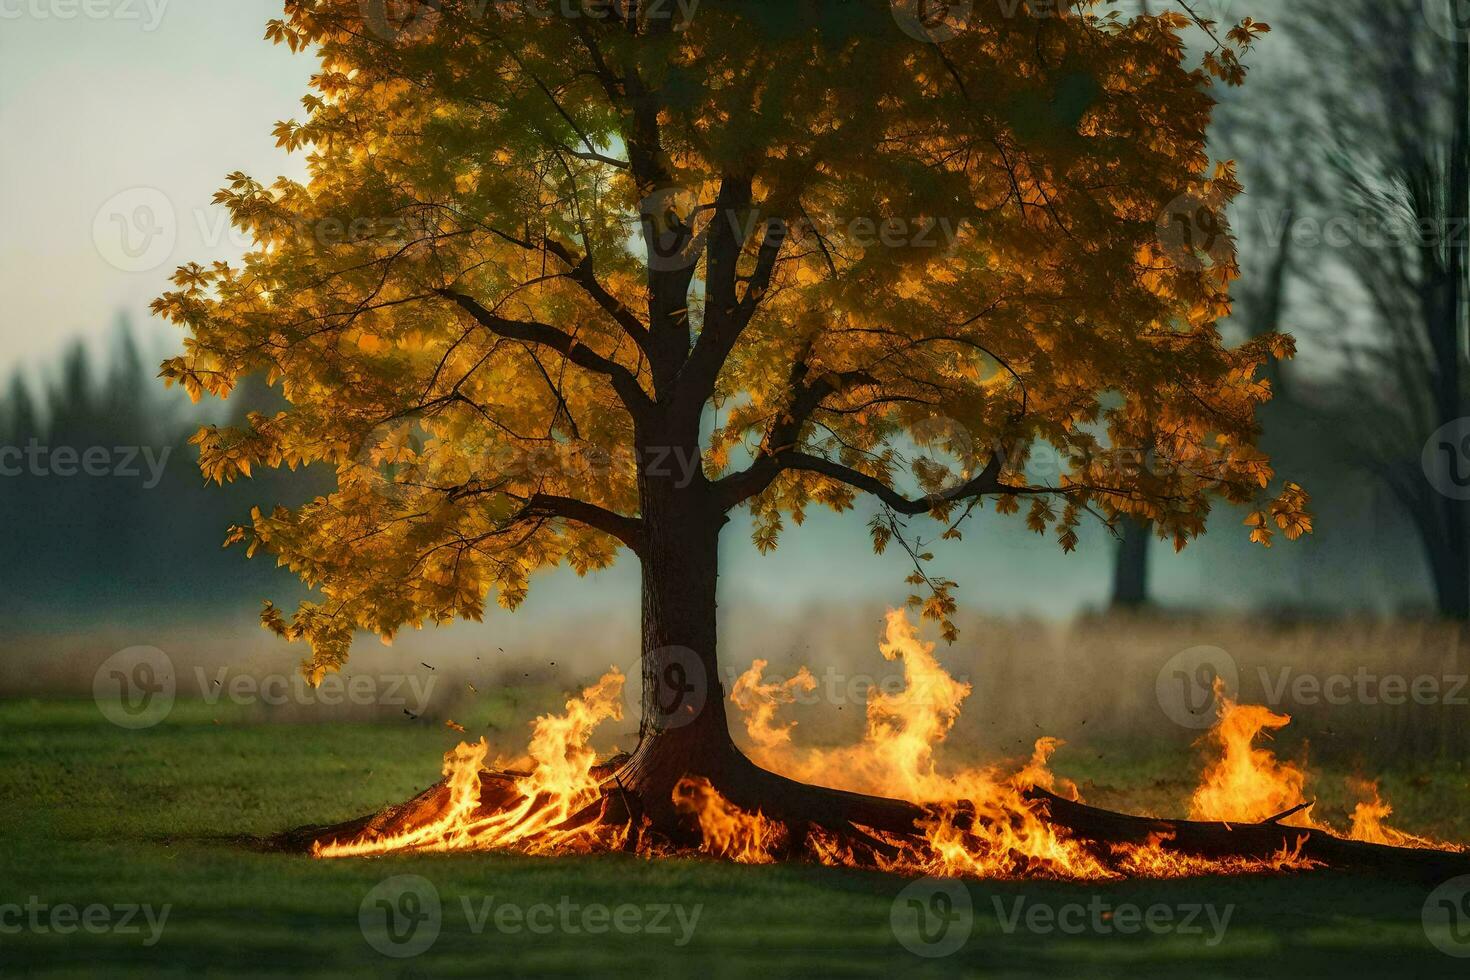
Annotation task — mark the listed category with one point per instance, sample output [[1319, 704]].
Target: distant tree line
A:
[[104, 508]]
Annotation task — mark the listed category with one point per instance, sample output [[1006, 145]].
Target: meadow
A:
[[173, 816]]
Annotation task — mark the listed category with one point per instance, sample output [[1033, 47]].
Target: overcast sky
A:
[[122, 119]]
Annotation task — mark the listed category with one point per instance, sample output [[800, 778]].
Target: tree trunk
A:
[[1450, 562], [1130, 566], [1454, 584], [682, 730]]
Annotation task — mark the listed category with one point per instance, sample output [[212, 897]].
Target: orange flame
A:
[[979, 820], [1246, 784], [541, 815], [728, 831]]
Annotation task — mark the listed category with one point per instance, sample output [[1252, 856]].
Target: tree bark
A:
[[684, 730]]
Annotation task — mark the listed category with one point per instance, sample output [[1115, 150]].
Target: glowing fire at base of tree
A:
[[978, 821]]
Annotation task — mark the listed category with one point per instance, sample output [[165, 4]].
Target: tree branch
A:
[[623, 381], [741, 486], [628, 530]]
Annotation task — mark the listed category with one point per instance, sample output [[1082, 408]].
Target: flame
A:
[[1246, 784], [549, 805], [979, 822], [728, 831], [759, 702], [978, 819]]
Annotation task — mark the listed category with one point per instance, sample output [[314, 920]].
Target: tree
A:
[[562, 285], [1394, 157]]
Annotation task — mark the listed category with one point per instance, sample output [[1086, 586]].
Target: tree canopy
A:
[[534, 244]]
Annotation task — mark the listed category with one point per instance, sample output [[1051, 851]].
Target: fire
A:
[[549, 807], [979, 820], [759, 702], [1368, 820], [728, 831], [1246, 784]]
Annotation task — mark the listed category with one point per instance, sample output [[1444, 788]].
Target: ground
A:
[[95, 814]]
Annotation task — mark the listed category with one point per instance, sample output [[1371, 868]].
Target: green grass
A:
[[94, 814]]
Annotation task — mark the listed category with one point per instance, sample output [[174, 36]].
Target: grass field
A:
[[95, 815]]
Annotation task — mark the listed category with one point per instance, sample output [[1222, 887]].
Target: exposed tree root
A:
[[1257, 840], [875, 830]]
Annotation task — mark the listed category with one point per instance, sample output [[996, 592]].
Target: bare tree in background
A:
[[1388, 108], [1253, 129]]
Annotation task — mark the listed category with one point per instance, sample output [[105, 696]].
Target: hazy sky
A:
[[112, 121]]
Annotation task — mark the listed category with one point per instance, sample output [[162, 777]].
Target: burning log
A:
[[1217, 840]]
